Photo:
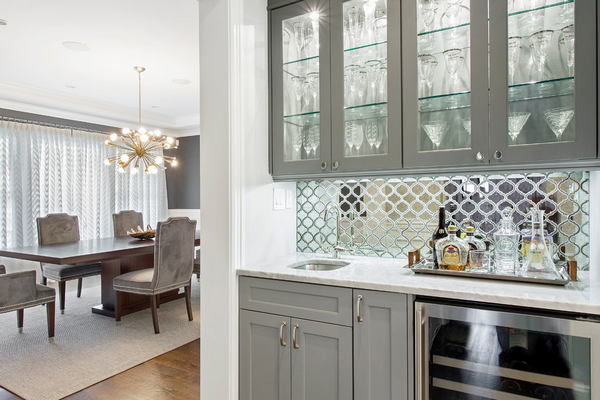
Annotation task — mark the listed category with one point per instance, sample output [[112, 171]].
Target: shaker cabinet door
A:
[[264, 359], [321, 361], [380, 346]]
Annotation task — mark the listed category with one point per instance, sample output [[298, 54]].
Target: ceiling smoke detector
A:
[[3, 22]]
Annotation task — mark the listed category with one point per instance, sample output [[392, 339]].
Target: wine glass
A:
[[381, 28], [286, 44], [516, 121], [540, 43], [453, 13], [299, 37], [454, 62], [566, 41], [308, 40], [296, 137], [358, 137], [467, 125], [514, 51], [351, 73], [361, 85], [426, 10], [558, 119], [369, 27], [313, 81], [306, 143], [353, 24], [427, 67], [307, 95], [298, 82], [531, 4], [436, 131], [314, 134], [372, 67], [349, 129], [382, 84], [372, 133]]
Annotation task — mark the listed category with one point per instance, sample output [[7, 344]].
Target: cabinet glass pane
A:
[[478, 361], [541, 60], [365, 78], [301, 103], [444, 60]]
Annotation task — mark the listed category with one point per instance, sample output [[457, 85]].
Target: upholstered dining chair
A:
[[18, 291], [63, 228], [173, 264], [126, 220], [196, 270]]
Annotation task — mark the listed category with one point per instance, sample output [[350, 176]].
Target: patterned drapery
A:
[[48, 170]]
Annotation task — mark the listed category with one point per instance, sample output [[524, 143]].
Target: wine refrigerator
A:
[[465, 352]]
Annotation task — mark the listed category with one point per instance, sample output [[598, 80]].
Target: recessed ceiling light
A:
[[70, 86], [181, 81], [154, 106], [76, 46], [3, 22]]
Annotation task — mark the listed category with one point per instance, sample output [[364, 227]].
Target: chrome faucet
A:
[[337, 248]]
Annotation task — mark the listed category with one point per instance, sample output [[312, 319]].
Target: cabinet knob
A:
[[498, 155], [480, 156], [335, 165], [323, 165]]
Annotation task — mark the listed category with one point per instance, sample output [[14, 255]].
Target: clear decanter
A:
[[506, 242], [538, 262]]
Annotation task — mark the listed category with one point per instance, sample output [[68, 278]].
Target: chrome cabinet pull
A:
[[281, 342], [480, 156], [498, 155], [335, 165], [294, 337], [323, 165], [358, 317], [420, 348]]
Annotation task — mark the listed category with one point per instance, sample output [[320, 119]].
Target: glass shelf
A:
[[445, 102], [541, 90], [366, 111], [550, 17], [436, 42], [558, 3], [306, 119], [457, 27], [365, 46], [301, 67]]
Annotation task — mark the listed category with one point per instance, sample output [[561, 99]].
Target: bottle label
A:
[[517, 338], [536, 252], [472, 246], [451, 255]]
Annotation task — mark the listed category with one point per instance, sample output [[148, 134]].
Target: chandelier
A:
[[139, 148]]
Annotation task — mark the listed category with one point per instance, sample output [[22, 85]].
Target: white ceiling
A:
[[160, 35]]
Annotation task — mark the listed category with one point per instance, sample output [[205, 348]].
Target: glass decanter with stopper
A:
[[506, 242], [538, 262], [452, 251]]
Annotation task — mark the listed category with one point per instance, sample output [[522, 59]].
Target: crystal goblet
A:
[[540, 43], [313, 81], [567, 43], [558, 119], [299, 37], [436, 131], [467, 125], [427, 67], [454, 62], [514, 52], [298, 83], [382, 84], [372, 133], [426, 10], [352, 71], [381, 29], [361, 85], [372, 67], [516, 121]]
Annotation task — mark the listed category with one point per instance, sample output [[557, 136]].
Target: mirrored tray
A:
[[426, 267]]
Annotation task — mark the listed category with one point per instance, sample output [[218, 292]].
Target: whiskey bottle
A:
[[452, 251], [474, 243], [439, 233]]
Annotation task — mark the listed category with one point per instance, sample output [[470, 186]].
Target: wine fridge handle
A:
[[281, 342], [358, 317], [295, 343], [420, 343]]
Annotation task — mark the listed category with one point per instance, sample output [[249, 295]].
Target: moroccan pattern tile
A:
[[389, 217]]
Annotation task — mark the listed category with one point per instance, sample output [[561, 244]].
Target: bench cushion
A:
[[60, 273]]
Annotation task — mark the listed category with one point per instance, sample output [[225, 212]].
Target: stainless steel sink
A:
[[319, 265]]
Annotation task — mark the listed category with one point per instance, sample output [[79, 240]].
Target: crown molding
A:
[[33, 100]]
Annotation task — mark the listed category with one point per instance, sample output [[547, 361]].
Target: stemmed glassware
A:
[[296, 137], [566, 41], [558, 119], [532, 4], [467, 125], [516, 121], [374, 136], [298, 83], [427, 9], [514, 51], [354, 26], [381, 27], [373, 76], [350, 77], [349, 132], [299, 37], [436, 131], [313, 81], [361, 78], [540, 43], [311, 141], [382, 84], [427, 67], [454, 62], [369, 25], [452, 15]]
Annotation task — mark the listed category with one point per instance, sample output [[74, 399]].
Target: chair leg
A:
[[153, 302], [79, 285], [61, 294], [20, 320], [44, 281], [157, 301], [198, 277], [50, 317], [188, 302], [118, 306]]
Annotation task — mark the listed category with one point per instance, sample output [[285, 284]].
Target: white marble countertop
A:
[[390, 275]]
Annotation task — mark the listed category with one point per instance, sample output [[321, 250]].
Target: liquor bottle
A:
[[439, 233], [452, 251], [474, 243], [506, 240], [517, 356]]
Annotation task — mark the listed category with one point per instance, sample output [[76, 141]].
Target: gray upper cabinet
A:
[[321, 361], [381, 346]]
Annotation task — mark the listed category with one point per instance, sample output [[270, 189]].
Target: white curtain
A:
[[49, 170]]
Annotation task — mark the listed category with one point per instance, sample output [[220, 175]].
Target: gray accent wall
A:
[[183, 181]]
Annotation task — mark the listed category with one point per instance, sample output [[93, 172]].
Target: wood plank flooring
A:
[[174, 375]]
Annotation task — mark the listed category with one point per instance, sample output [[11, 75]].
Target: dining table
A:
[[116, 255]]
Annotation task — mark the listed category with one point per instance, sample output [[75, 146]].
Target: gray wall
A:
[[183, 181]]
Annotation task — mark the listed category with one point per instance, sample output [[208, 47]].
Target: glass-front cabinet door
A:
[[470, 353], [300, 106], [543, 80], [365, 80], [445, 82]]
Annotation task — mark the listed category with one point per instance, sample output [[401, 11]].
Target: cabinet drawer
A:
[[301, 300]]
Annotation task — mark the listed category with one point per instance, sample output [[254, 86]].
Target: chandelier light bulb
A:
[[106, 142], [174, 163], [159, 160], [121, 169], [124, 157], [157, 133], [142, 130], [152, 169], [134, 170], [126, 131], [107, 162], [113, 137], [169, 140], [144, 138]]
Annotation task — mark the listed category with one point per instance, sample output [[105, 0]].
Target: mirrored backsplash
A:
[[390, 217]]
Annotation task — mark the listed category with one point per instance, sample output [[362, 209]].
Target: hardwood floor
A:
[[174, 375]]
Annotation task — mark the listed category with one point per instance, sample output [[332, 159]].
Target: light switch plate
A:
[[289, 198], [278, 199]]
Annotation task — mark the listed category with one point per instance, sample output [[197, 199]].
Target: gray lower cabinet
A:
[[264, 361], [380, 346]]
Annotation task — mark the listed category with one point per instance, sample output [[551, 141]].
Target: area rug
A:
[[87, 348]]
